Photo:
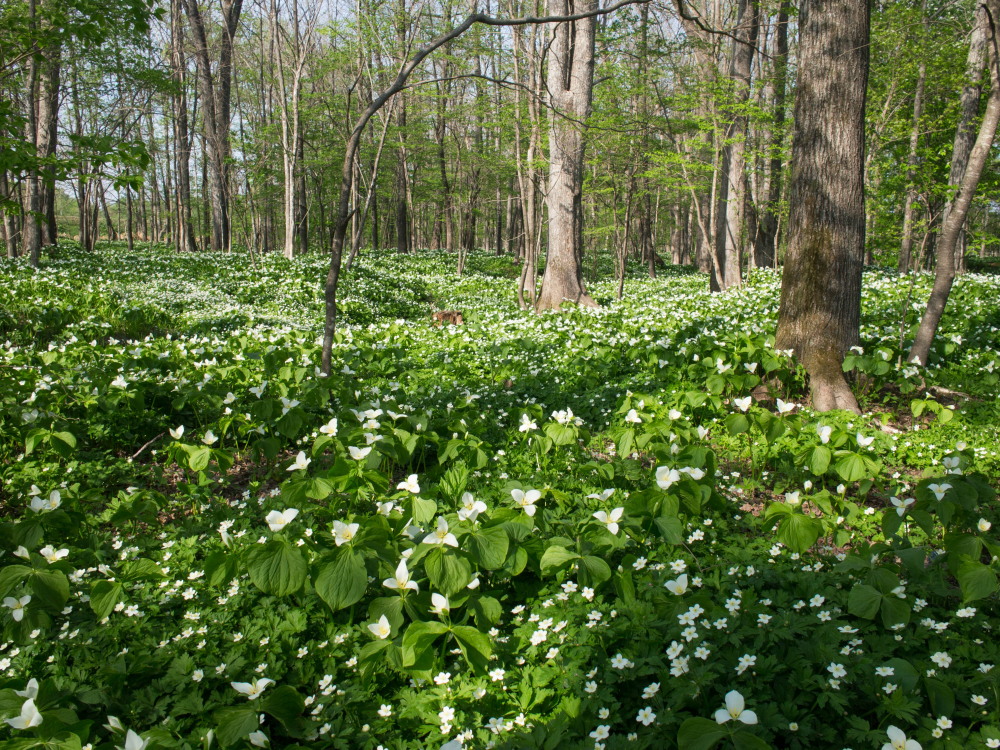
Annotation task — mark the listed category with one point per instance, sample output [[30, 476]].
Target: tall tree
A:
[[216, 98], [944, 273], [820, 312], [570, 83], [731, 233]]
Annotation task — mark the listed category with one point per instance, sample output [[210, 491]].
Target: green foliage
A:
[[541, 531]]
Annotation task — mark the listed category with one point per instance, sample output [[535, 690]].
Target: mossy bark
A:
[[820, 311]]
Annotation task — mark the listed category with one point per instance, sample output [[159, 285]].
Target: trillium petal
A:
[[722, 716], [748, 717], [734, 702]]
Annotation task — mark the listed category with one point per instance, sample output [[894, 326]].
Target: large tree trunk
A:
[[570, 84], [819, 317], [944, 274], [184, 235], [731, 233]]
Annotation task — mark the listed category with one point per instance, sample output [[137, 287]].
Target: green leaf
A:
[[978, 581], [342, 582], [11, 576], [670, 529], [942, 699], [488, 547], [488, 612], [626, 442], [851, 468], [33, 439], [142, 569], [904, 673], [747, 741], [864, 601], [199, 457], [737, 424], [104, 595], [895, 611], [423, 511], [555, 558], [448, 572], [418, 642], [594, 570], [63, 443], [560, 434], [284, 704], [799, 532], [475, 646], [819, 460], [276, 568], [699, 734], [234, 724], [49, 588]]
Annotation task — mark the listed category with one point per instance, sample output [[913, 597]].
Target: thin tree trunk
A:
[[767, 238], [913, 160], [944, 274], [731, 233], [965, 135]]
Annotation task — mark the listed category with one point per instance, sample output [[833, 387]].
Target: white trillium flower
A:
[[51, 554], [17, 606], [277, 520], [210, 438], [824, 431], [178, 433], [252, 690], [939, 490], [381, 629], [471, 508], [694, 473], [359, 454], [40, 504], [410, 484], [344, 532], [666, 476], [863, 441], [441, 535], [439, 604], [679, 585], [898, 741], [22, 552], [784, 408], [258, 739], [610, 519], [30, 716], [119, 382], [526, 500], [633, 417], [527, 424], [330, 428], [901, 505], [30, 690], [300, 463], [134, 741], [601, 496], [743, 403], [402, 580], [983, 525], [735, 710]]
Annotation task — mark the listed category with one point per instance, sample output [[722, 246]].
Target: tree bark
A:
[[765, 251], [913, 159], [570, 85], [731, 234], [819, 316], [972, 89], [944, 274]]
